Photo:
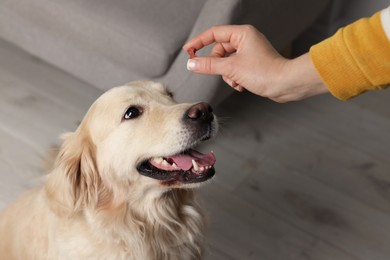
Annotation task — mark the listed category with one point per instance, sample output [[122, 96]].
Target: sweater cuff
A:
[[355, 59]]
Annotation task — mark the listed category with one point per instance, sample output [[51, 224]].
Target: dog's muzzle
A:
[[189, 165]]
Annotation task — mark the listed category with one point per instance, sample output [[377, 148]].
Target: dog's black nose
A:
[[201, 113]]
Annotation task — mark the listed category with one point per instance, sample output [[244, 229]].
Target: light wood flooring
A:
[[302, 180]]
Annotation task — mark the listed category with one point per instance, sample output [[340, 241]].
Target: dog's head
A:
[[134, 142]]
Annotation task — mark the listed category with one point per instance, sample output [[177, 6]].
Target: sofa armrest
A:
[[190, 87]]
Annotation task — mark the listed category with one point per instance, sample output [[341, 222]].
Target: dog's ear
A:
[[74, 182]]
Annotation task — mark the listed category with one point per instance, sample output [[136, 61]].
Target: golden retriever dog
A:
[[122, 184]]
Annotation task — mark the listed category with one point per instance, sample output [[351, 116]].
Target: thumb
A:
[[207, 65]]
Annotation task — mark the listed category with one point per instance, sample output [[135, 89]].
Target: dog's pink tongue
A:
[[184, 161]]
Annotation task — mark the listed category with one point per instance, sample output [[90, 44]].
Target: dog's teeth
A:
[[165, 163], [174, 165], [201, 169], [158, 160], [195, 165]]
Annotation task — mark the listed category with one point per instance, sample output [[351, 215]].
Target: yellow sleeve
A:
[[355, 59]]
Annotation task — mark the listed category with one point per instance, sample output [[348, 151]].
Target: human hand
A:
[[246, 60]]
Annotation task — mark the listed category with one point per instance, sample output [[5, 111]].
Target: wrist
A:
[[302, 79]]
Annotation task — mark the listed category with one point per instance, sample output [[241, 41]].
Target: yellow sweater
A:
[[356, 58]]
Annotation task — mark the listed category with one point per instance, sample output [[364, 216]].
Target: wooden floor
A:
[[303, 180]]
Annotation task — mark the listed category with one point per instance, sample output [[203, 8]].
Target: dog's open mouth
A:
[[189, 166]]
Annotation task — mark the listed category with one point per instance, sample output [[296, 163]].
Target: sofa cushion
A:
[[142, 37]]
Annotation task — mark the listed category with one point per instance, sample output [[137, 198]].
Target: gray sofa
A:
[[111, 42]]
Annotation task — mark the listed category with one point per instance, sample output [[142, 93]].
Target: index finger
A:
[[220, 34]]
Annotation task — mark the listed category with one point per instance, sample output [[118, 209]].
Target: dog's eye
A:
[[132, 112]]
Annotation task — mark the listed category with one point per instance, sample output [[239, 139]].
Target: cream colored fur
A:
[[95, 205]]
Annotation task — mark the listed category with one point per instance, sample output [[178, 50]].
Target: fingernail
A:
[[191, 64]]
